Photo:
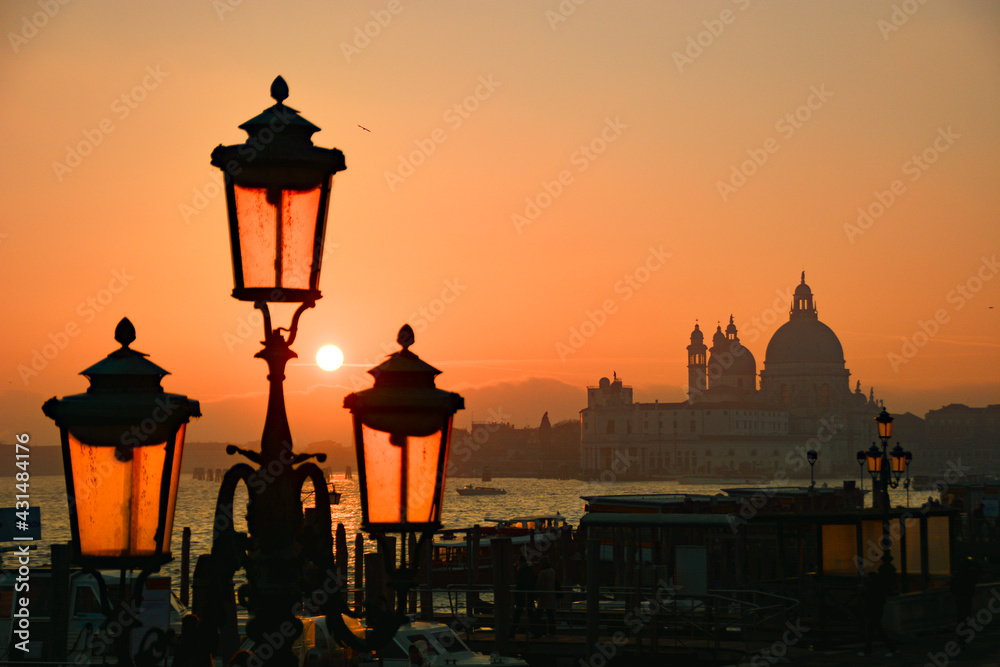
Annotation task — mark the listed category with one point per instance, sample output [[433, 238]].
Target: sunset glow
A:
[[546, 197]]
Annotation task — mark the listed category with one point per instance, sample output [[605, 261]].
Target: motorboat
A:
[[438, 644], [470, 490]]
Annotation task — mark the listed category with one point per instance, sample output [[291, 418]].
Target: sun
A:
[[329, 357]]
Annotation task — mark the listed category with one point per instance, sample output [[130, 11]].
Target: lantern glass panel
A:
[[117, 502], [175, 478], [898, 458], [884, 428], [401, 479], [874, 462], [277, 231]]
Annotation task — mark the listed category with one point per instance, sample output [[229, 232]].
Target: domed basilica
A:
[[729, 427]]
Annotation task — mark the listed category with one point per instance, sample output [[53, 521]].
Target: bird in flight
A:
[[364, 128]]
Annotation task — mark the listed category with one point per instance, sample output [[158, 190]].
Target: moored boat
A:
[[450, 553], [85, 643], [470, 490]]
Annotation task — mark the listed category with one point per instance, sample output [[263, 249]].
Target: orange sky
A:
[[622, 122]]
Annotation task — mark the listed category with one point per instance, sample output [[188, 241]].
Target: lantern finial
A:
[[279, 90], [405, 337], [125, 333]]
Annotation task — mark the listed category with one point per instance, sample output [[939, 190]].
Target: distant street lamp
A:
[[277, 192], [122, 444], [811, 456], [862, 459], [886, 468]]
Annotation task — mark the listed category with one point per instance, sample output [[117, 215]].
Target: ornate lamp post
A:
[[811, 456], [277, 191], [886, 468], [402, 429], [122, 444]]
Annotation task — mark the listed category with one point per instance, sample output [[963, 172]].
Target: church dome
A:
[[743, 362], [803, 338], [719, 339], [804, 341]]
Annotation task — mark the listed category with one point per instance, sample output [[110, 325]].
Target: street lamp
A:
[[401, 431], [811, 456], [402, 428], [862, 458], [122, 444], [886, 468], [277, 192]]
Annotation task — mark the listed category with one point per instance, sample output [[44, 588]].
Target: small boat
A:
[[470, 490], [437, 643], [450, 557], [85, 641]]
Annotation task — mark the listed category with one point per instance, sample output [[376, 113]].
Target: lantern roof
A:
[[404, 381], [124, 390], [279, 115], [278, 136], [125, 367], [404, 368]]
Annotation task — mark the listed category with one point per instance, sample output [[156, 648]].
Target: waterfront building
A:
[[731, 427]]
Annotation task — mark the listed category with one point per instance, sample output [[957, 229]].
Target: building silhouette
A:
[[729, 426]]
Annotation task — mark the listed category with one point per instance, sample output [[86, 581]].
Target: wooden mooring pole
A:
[[426, 596], [185, 565], [359, 573], [593, 593], [472, 563], [503, 568], [340, 560]]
